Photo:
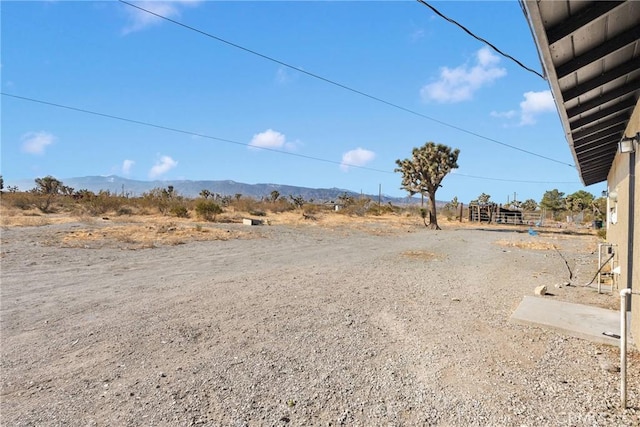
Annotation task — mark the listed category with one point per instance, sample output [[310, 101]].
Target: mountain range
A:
[[119, 185]]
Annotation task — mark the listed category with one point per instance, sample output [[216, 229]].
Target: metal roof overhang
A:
[[590, 51]]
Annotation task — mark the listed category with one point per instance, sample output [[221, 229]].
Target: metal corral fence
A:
[[493, 212]]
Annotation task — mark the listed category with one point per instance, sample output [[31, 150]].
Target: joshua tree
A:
[[483, 199], [424, 171], [66, 190], [454, 203], [298, 201], [50, 187], [529, 205]]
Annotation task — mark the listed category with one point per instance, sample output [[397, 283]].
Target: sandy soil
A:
[[301, 324]]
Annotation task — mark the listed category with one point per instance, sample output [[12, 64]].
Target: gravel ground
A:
[[301, 326]]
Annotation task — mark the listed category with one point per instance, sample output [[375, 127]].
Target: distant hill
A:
[[118, 185]]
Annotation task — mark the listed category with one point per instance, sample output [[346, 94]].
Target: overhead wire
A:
[[186, 132], [230, 141], [343, 86], [469, 32], [512, 180]]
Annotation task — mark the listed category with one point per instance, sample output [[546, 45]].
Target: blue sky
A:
[[410, 77]]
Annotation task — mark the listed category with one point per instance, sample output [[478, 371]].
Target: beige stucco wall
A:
[[618, 220]]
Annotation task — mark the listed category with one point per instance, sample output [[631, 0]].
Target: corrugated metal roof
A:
[[590, 51]]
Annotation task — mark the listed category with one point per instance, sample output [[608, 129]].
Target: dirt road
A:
[[299, 326]]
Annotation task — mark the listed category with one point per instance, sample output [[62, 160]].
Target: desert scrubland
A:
[[304, 320]]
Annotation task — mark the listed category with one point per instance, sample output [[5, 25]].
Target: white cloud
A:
[[535, 103], [36, 142], [162, 166], [357, 157], [271, 139], [139, 19], [417, 35], [268, 139], [286, 75], [460, 83], [282, 76], [126, 166], [504, 114]]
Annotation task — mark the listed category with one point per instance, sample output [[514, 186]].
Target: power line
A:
[[244, 144], [343, 86], [512, 180], [463, 28], [186, 132]]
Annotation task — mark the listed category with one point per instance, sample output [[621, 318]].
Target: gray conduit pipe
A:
[[624, 295]]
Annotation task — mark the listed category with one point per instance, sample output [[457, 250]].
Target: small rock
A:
[[609, 367], [540, 290]]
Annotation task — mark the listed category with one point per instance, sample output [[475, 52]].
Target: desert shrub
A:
[[281, 205], [207, 209], [375, 209], [357, 207], [124, 210], [298, 201], [45, 202], [447, 213], [167, 228], [22, 201], [160, 198], [180, 211], [103, 202], [311, 209], [413, 211], [245, 204]]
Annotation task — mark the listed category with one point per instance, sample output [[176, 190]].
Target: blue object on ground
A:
[[532, 232]]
